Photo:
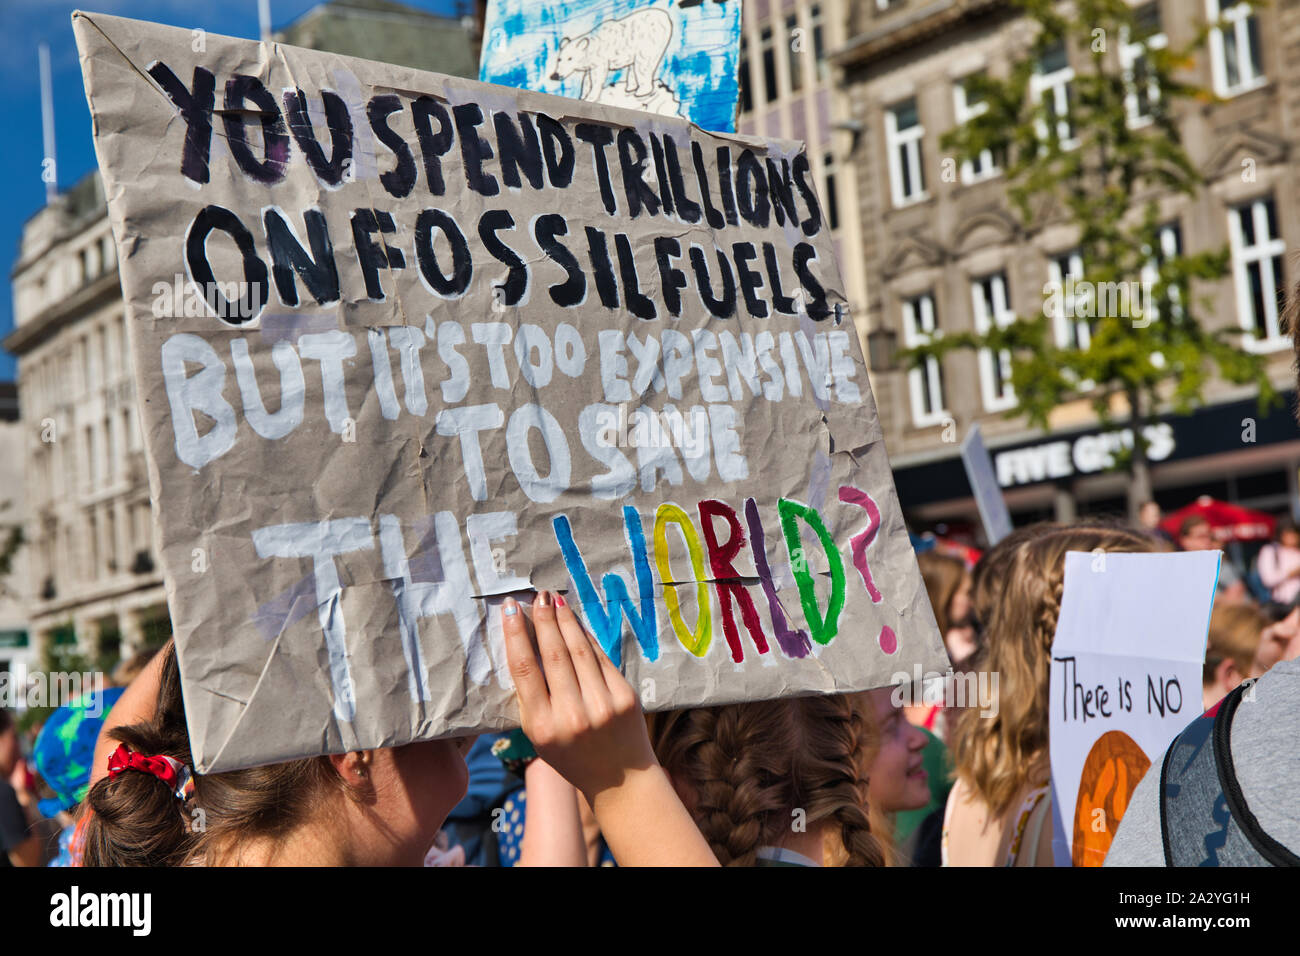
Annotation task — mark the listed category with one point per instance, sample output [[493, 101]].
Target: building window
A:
[[794, 59], [83, 347], [1234, 48], [742, 67], [925, 382], [1257, 250], [1071, 332], [992, 310], [767, 52], [1169, 245], [832, 199], [818, 41], [110, 540], [110, 465], [1053, 86], [903, 132], [968, 106], [1143, 89], [88, 457]]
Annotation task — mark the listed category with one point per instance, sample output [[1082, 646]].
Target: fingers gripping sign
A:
[[580, 713], [584, 720]]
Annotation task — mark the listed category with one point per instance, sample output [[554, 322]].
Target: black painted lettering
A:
[[240, 90], [557, 149], [751, 190], [254, 291], [722, 306], [372, 256], [781, 189], [711, 215], [638, 303], [750, 280], [814, 294], [687, 208], [813, 224], [516, 284], [318, 270], [671, 279], [474, 149], [631, 160], [781, 302], [338, 121], [400, 180], [601, 267], [449, 285], [518, 149], [573, 289], [433, 146], [195, 105], [599, 137]]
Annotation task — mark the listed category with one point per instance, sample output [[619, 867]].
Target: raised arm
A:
[[552, 822], [137, 704], [584, 719]]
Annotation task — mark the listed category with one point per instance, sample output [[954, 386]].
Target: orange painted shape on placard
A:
[[1111, 773]]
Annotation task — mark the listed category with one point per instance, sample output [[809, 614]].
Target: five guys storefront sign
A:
[[652, 175], [1265, 445]]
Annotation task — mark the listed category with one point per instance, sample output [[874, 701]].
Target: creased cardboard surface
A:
[[349, 475]]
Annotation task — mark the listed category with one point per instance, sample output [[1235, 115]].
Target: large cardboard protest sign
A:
[[1126, 678], [406, 344], [675, 57]]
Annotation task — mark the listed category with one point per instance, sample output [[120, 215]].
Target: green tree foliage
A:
[[1104, 174]]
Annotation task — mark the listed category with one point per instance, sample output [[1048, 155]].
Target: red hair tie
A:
[[175, 774]]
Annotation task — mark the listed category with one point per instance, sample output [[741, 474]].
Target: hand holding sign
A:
[[584, 719]]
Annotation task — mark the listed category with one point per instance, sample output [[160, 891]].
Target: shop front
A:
[[1229, 451]]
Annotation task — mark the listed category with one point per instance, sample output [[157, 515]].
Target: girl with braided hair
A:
[[999, 810], [383, 806], [772, 783]]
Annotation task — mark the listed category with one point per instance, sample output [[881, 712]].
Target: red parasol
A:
[[1228, 522]]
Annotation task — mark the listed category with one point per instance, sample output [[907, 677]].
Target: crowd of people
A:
[[856, 779], [862, 779]]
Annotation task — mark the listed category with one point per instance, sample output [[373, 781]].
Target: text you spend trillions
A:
[[443, 150]]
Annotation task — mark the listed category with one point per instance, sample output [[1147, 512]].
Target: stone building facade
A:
[[790, 89], [942, 250]]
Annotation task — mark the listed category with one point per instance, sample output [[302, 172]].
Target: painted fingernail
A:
[[511, 607], [544, 599], [559, 600]]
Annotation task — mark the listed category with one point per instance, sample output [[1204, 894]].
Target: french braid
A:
[[749, 768]]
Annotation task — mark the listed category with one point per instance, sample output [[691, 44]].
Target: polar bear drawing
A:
[[637, 41]]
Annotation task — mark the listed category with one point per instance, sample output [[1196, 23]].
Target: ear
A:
[[1227, 674], [584, 43], [564, 43], [354, 766]]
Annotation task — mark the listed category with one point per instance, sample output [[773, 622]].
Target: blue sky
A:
[[26, 23]]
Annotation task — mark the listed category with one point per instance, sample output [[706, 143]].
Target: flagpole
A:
[[50, 166]]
